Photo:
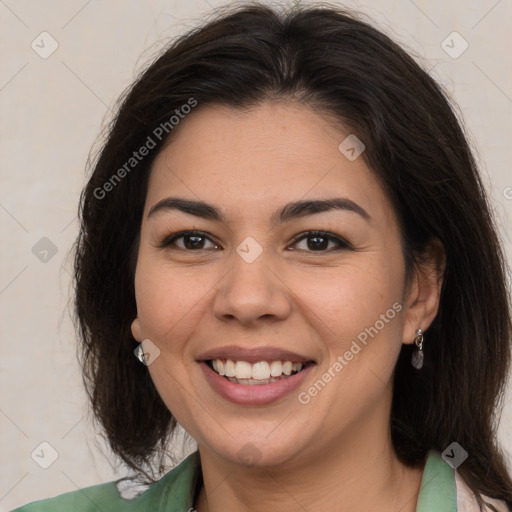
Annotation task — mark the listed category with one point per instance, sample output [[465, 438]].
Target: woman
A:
[[287, 227]]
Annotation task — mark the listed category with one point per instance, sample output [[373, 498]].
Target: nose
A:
[[251, 293]]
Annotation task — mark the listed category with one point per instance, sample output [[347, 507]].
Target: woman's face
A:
[[253, 288]]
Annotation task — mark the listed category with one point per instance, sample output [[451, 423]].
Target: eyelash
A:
[[341, 243]]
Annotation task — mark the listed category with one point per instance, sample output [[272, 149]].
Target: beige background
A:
[[51, 113]]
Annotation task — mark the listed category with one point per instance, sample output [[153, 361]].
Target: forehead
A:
[[270, 154]]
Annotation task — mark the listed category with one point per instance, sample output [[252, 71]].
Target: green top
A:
[[176, 490]]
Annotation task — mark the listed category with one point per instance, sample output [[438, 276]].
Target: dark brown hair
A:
[[337, 63]]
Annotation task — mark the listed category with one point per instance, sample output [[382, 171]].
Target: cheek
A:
[[170, 300], [352, 297]]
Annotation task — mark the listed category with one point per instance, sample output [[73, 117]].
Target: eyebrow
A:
[[289, 212]]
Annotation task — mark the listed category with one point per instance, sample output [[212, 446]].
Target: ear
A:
[[137, 329], [424, 291]]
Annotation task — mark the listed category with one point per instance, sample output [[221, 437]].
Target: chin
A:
[[258, 451]]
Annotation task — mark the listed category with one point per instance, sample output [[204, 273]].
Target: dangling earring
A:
[[417, 355]]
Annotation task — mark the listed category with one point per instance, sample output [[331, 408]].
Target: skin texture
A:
[[335, 452]]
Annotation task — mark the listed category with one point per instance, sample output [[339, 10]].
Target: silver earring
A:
[[139, 354], [417, 355]]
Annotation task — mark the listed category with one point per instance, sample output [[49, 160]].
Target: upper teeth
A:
[[260, 370]]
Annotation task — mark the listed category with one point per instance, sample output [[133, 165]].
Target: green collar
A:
[[437, 492], [177, 489]]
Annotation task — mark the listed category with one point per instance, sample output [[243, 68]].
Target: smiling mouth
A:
[[261, 372]]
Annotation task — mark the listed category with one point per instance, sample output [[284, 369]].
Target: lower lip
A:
[[257, 394]]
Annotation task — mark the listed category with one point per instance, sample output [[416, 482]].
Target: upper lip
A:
[[252, 355]]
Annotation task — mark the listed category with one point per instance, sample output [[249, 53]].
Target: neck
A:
[[358, 473]]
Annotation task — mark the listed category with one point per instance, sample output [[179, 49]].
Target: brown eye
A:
[[188, 241], [318, 241]]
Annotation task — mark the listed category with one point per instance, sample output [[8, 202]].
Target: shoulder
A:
[[175, 489], [466, 501]]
